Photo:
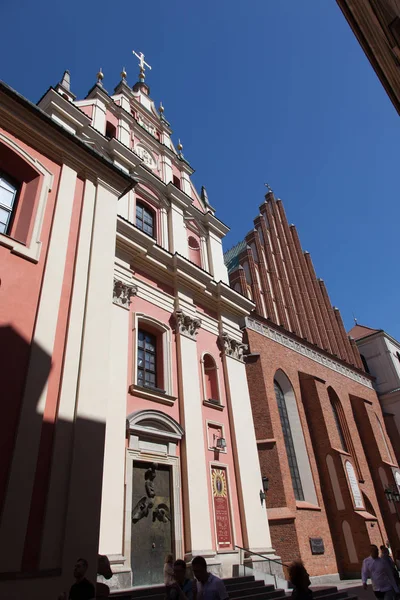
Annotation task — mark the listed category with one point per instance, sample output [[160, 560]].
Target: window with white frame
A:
[[8, 195], [147, 359]]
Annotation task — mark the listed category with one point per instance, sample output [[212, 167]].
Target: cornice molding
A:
[[310, 353]]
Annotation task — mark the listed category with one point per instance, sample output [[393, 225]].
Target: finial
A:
[[355, 320], [161, 109], [142, 65], [204, 195], [180, 148], [66, 81], [100, 76], [123, 73], [269, 188]]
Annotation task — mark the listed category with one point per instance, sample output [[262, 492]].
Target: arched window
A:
[[365, 364], [389, 454], [211, 390], [287, 435], [8, 195], [145, 219], [194, 251], [336, 410]]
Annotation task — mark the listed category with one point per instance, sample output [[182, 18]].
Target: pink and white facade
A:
[[124, 365]]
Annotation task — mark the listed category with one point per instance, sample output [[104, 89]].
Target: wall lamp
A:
[[221, 443], [263, 492]]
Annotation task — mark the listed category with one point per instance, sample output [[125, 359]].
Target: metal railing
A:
[[246, 551]]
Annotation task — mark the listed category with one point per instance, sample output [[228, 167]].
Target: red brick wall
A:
[[310, 381]]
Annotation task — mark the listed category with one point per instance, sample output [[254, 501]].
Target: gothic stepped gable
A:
[[271, 268]]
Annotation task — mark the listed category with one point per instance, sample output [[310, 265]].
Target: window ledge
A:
[[267, 443], [302, 505], [340, 451], [212, 404], [31, 253], [154, 394]]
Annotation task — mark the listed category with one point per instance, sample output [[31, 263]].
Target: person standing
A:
[[300, 580], [381, 575], [182, 588], [209, 587]]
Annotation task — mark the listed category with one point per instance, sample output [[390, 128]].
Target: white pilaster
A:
[[186, 187], [124, 131], [54, 522], [84, 501], [167, 169], [112, 501], [218, 267], [164, 228], [197, 510], [17, 503], [177, 232], [99, 116], [204, 254], [255, 528]]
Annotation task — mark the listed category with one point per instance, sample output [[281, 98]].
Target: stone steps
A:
[[239, 588]]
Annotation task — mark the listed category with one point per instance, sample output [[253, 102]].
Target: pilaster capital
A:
[[122, 293], [232, 348], [187, 325]]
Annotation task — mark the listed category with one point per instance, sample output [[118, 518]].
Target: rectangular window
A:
[[8, 194], [146, 360], [144, 219]]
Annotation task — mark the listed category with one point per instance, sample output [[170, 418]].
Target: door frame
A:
[[177, 529]]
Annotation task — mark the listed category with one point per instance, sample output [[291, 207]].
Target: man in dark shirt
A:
[[182, 589], [82, 589]]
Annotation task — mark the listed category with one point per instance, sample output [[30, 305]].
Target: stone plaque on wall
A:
[[317, 546], [355, 490]]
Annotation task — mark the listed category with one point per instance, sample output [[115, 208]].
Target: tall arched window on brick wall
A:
[[210, 377], [296, 450], [386, 445], [339, 418], [194, 250], [289, 444]]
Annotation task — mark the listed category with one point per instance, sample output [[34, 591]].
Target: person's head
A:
[[374, 552], [104, 567], [169, 559], [180, 570], [80, 568], [199, 567], [298, 575], [384, 551]]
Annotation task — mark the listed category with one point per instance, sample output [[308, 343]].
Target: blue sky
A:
[[258, 91]]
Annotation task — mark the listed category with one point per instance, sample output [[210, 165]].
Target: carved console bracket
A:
[[187, 325], [232, 347], [122, 293]]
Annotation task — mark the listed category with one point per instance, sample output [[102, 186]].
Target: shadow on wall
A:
[[66, 459]]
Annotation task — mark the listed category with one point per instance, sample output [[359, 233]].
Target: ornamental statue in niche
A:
[[146, 503]]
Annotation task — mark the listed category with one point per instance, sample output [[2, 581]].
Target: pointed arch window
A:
[[335, 410], [145, 219], [382, 432], [288, 438]]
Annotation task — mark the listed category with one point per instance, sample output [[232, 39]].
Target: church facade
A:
[[128, 429], [319, 426]]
